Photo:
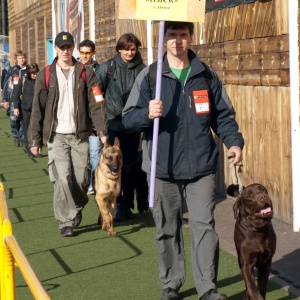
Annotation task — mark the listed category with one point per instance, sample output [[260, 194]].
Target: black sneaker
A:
[[67, 231], [169, 294], [78, 219], [213, 295], [128, 214]]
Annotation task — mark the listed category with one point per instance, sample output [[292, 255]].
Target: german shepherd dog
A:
[[108, 184]]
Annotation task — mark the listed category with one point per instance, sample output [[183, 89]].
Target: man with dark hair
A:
[[193, 104], [87, 50], [116, 77], [62, 110]]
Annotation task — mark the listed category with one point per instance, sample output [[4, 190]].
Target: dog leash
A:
[[235, 171]]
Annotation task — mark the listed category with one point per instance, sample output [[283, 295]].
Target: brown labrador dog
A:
[[108, 184], [255, 238]]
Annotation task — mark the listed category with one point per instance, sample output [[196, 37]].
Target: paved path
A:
[[286, 262]]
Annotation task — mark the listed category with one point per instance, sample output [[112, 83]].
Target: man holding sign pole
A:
[[193, 104]]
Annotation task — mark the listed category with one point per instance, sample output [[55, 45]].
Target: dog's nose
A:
[[115, 168]]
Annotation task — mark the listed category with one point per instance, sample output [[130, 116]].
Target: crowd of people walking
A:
[[77, 105], [115, 79]]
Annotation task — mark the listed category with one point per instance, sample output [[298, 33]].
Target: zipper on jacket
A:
[[77, 100], [187, 128], [55, 101]]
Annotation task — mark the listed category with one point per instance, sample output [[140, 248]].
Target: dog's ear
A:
[[117, 142], [236, 207]]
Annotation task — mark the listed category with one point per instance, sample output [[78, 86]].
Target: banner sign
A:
[[212, 5], [163, 10], [71, 19]]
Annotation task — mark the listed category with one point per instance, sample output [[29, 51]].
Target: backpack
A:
[[47, 75], [153, 70]]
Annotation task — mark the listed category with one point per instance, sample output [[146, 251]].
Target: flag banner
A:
[[163, 10], [212, 5]]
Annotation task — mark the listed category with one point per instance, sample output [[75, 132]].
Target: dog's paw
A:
[[112, 233]]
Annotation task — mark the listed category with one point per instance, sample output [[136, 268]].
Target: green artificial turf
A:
[[91, 265]]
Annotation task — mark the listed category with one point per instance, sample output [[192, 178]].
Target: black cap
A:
[[64, 38]]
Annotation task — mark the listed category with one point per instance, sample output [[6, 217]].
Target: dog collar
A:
[[251, 228]]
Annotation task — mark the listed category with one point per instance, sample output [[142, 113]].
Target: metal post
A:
[[4, 27]]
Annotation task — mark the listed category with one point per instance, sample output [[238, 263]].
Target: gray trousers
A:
[[68, 165], [167, 213]]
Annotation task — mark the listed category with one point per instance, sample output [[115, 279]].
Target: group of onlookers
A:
[[78, 106]]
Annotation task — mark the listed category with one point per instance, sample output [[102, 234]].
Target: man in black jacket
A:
[[12, 78], [193, 102], [22, 97], [116, 77]]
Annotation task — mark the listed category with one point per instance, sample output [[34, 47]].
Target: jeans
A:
[[25, 121], [95, 148], [16, 124]]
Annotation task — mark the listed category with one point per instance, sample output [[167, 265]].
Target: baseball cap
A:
[[64, 38]]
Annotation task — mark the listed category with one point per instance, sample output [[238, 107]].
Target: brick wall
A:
[[30, 24]]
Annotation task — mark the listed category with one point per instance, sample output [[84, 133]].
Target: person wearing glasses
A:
[[116, 77], [22, 100], [87, 50], [63, 111]]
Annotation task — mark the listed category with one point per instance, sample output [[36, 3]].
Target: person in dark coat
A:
[[116, 78], [22, 100], [12, 78]]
